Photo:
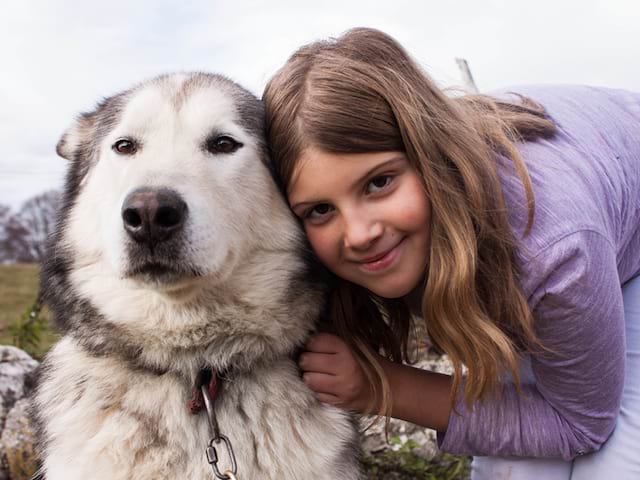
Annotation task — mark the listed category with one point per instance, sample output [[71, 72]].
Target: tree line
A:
[[23, 234]]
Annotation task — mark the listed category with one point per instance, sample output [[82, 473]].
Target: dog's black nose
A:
[[153, 215]]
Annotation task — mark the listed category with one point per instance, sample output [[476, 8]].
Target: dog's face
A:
[[170, 184]]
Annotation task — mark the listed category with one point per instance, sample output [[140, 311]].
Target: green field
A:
[[18, 292]]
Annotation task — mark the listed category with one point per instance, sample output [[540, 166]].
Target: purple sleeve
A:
[[572, 408]]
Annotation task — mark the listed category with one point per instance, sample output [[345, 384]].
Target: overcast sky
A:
[[59, 57]]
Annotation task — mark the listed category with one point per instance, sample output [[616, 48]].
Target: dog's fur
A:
[[231, 290]]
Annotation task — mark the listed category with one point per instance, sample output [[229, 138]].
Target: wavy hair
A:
[[362, 92]]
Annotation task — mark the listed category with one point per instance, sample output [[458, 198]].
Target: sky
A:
[[60, 57]]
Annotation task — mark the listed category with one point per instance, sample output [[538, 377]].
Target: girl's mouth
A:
[[383, 260]]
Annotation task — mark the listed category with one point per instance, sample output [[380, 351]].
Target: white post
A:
[[467, 78]]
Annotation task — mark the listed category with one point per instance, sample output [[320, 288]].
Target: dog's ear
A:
[[76, 136]]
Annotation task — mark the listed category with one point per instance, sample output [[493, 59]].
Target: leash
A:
[[204, 395]]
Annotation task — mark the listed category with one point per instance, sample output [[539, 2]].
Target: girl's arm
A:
[[418, 396]]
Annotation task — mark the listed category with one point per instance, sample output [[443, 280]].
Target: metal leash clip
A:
[[212, 458], [212, 454]]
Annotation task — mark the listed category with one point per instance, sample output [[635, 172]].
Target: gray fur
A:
[[112, 399]]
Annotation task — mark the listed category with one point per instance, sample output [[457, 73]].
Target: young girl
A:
[[510, 224]]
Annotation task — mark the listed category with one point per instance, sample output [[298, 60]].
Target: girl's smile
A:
[[383, 260], [366, 215]]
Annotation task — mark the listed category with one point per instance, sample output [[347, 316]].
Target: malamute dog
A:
[[177, 268]]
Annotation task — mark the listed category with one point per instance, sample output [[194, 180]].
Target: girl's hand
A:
[[331, 370]]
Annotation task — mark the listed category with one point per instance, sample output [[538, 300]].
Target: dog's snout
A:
[[152, 216]]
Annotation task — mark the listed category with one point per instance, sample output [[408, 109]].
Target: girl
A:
[[510, 224]]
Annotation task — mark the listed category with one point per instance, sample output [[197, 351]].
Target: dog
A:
[[178, 276]]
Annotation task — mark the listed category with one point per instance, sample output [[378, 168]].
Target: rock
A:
[[16, 373], [435, 363], [17, 458], [374, 440], [17, 444], [3, 415]]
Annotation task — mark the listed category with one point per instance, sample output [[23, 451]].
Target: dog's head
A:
[[173, 234], [170, 184]]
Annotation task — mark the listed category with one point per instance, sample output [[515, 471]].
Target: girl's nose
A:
[[361, 231]]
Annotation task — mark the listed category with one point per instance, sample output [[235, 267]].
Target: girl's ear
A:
[[76, 136]]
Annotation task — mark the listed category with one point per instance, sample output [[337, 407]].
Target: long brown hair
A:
[[363, 93]]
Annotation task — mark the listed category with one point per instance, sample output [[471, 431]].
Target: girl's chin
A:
[[410, 289], [391, 291]]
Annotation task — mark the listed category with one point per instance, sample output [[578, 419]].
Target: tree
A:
[[38, 217], [23, 236], [16, 244], [5, 215]]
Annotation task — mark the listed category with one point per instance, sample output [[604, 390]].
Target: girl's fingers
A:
[[325, 343], [328, 398], [320, 382], [318, 362]]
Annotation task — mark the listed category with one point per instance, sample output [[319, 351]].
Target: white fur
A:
[[102, 436]]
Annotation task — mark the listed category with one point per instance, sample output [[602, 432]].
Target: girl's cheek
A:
[[323, 244]]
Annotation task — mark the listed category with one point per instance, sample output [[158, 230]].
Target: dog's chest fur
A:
[[109, 422]]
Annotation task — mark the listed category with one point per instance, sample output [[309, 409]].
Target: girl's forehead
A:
[[311, 163], [318, 172]]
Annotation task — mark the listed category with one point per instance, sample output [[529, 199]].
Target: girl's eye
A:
[[319, 211], [379, 183]]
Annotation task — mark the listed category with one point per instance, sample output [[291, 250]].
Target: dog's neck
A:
[[251, 318]]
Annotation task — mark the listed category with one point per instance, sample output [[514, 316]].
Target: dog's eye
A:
[[125, 146], [222, 144]]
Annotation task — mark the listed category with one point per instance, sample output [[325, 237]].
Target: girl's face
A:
[[367, 217]]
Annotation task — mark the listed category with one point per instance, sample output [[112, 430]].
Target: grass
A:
[[401, 463], [18, 292], [19, 289]]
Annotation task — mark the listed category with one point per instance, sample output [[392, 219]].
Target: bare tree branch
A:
[[23, 236]]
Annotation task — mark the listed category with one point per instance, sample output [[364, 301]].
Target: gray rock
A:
[[17, 459], [374, 440], [16, 371], [17, 444], [3, 415]]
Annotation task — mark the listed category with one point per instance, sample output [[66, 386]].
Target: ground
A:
[[18, 293]]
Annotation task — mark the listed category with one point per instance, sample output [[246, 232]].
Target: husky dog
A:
[[175, 253]]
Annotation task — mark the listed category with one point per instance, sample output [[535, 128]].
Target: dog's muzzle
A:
[[151, 216]]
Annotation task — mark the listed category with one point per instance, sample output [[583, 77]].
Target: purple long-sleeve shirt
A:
[[584, 244]]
